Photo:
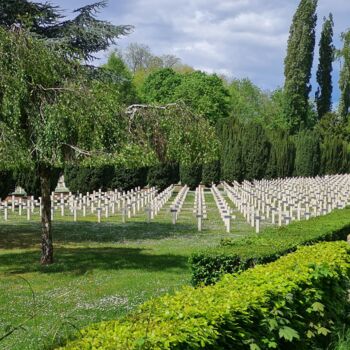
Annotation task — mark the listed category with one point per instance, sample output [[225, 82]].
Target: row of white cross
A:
[[224, 208], [284, 200], [200, 208], [97, 203], [158, 202], [176, 206]]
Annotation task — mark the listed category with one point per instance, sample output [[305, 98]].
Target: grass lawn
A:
[[101, 271]]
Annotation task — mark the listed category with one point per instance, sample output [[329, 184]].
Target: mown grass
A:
[[101, 271]]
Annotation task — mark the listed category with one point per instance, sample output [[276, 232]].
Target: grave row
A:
[[281, 201], [96, 203], [200, 208], [176, 206], [224, 208]]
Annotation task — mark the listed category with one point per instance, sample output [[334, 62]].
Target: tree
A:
[[121, 78], [204, 94], [52, 114], [82, 36], [138, 56], [298, 64], [344, 80], [308, 153], [324, 72], [160, 86]]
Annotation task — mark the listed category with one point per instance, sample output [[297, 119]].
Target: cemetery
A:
[[153, 197]]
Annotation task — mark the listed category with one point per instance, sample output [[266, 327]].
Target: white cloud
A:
[[242, 38]]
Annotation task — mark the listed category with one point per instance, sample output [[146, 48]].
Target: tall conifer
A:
[[298, 64], [324, 72]]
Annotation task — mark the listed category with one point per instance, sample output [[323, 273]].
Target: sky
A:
[[238, 38]]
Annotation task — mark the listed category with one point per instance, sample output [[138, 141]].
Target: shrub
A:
[[211, 173], [163, 175], [126, 179], [191, 175], [234, 255], [293, 303], [7, 183]]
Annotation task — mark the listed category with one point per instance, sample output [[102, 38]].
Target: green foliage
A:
[[83, 179], [249, 103], [127, 179], [121, 78], [255, 150], [231, 157], [211, 173], [282, 156], [344, 79], [245, 150], [298, 64], [236, 255], [163, 175], [205, 94], [7, 183], [293, 303], [324, 72], [80, 36], [335, 156], [159, 87], [191, 175], [308, 154]]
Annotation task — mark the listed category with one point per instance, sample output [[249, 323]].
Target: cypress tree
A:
[[298, 64], [255, 151], [324, 72], [308, 154], [230, 135], [211, 173], [282, 156], [335, 156], [344, 80]]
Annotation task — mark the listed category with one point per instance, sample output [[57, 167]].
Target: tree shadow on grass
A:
[[81, 260], [27, 235]]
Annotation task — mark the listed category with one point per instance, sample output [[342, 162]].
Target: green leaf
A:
[[288, 333]]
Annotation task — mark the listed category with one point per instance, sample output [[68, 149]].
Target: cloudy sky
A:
[[239, 38]]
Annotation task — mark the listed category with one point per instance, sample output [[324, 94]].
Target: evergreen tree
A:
[[335, 156], [308, 154], [191, 175], [298, 64], [211, 173], [81, 36], [344, 80], [324, 72], [255, 150], [282, 156], [230, 134]]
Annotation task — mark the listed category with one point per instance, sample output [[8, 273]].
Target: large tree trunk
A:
[[46, 234]]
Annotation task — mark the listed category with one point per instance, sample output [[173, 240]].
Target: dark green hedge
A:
[[297, 302], [163, 175], [191, 175], [234, 255]]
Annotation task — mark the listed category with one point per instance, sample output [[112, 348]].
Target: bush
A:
[[191, 175], [211, 173], [232, 256], [163, 175], [7, 184], [81, 179], [293, 303], [126, 179]]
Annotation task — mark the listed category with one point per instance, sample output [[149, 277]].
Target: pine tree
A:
[[344, 80], [324, 72], [83, 35], [298, 64]]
